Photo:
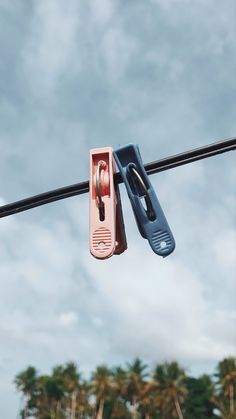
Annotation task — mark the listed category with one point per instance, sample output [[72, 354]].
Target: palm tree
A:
[[101, 387], [170, 377], [136, 379], [71, 377], [26, 382], [128, 393], [119, 381], [148, 405], [119, 384], [84, 409], [199, 402], [226, 373], [51, 392]]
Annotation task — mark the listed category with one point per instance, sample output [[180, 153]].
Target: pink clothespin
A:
[[107, 233]]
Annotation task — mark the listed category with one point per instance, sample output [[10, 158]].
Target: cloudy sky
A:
[[90, 73]]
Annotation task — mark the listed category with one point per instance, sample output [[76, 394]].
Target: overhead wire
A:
[[151, 168]]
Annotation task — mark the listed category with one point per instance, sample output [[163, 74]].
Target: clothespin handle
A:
[[150, 217], [107, 234]]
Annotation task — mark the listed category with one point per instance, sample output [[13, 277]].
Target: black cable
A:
[[191, 156], [151, 168]]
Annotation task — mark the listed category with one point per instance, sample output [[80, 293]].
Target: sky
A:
[[92, 73]]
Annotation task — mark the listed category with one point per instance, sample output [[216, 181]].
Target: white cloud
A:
[[169, 5], [68, 319], [84, 74], [101, 11], [117, 49], [161, 312], [224, 247], [51, 47]]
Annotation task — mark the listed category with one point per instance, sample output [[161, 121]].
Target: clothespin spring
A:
[[101, 166], [149, 210]]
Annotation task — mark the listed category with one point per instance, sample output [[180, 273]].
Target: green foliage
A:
[[199, 401], [128, 393], [136, 374], [26, 380], [225, 397], [172, 391]]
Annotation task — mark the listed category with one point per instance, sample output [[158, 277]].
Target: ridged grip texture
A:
[[161, 241], [101, 240]]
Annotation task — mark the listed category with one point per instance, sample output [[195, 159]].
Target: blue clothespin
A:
[[148, 213]]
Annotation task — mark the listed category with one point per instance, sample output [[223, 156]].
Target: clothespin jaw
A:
[[106, 219], [121, 242], [149, 215]]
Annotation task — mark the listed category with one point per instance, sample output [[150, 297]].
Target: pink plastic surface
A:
[[102, 233]]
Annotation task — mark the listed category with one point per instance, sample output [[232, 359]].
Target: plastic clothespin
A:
[[149, 215], [107, 232]]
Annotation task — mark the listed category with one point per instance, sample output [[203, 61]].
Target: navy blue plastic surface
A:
[[152, 224]]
